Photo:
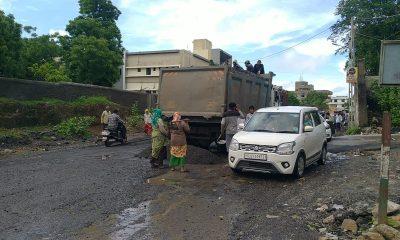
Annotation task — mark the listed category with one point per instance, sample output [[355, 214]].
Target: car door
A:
[[319, 132], [309, 147]]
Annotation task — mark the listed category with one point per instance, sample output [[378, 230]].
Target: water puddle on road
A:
[[335, 158], [131, 223]]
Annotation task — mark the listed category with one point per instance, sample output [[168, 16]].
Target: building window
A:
[[154, 69], [148, 71], [335, 100], [139, 69]]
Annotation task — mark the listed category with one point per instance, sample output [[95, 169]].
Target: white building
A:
[[337, 103], [141, 70]]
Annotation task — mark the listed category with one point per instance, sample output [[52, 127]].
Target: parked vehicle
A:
[[279, 140], [203, 93], [110, 137], [328, 130]]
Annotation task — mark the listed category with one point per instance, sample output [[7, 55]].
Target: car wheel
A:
[[107, 143], [236, 171], [322, 158], [298, 170]]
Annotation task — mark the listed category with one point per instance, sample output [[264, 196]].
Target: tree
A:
[[39, 50], [92, 62], [10, 46], [374, 21], [95, 28], [292, 99], [316, 99], [50, 72], [387, 99]]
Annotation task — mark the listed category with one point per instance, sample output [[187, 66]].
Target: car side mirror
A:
[[308, 129], [240, 126]]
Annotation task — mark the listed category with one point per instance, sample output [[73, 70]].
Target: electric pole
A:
[[351, 64]]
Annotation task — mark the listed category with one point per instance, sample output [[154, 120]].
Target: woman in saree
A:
[[159, 138], [178, 131]]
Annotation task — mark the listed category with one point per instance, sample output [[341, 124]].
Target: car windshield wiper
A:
[[285, 132], [261, 130]]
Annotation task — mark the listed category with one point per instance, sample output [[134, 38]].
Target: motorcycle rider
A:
[[115, 123]]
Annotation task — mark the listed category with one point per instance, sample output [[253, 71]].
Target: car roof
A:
[[290, 109]]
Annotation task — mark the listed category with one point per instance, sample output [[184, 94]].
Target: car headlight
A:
[[234, 146], [285, 148]]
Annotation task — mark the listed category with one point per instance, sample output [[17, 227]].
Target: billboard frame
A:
[[384, 43]]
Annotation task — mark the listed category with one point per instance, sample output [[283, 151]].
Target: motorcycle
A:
[[111, 136]]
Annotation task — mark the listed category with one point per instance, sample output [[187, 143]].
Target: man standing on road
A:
[[338, 121], [104, 117], [229, 123], [250, 114]]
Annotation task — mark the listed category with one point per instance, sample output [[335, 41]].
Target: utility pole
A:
[[351, 64]]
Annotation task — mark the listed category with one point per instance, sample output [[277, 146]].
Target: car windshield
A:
[[275, 122]]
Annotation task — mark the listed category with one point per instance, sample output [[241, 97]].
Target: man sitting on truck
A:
[[249, 66], [229, 123], [236, 66], [259, 68]]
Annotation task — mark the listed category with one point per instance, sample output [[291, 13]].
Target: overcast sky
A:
[[247, 29]]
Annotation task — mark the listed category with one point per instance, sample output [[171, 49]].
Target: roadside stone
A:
[[329, 236], [271, 216], [7, 151], [349, 225], [371, 236], [322, 230], [392, 208], [323, 208], [337, 207], [328, 220], [388, 232]]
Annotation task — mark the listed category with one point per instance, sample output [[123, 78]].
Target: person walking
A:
[[159, 139], [178, 130], [104, 117], [338, 121], [229, 123], [147, 122]]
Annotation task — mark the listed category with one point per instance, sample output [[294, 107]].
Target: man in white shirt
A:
[[250, 114]]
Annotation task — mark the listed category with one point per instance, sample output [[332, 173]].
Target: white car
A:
[[279, 140]]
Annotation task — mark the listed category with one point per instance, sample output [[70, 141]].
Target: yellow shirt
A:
[[104, 117]]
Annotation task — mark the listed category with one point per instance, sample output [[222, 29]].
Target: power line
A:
[[293, 46]]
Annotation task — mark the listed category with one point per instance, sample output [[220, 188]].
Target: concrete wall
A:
[[27, 90]]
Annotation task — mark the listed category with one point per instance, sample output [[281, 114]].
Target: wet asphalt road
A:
[[53, 195], [112, 193]]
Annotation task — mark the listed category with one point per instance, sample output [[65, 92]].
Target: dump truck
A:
[[202, 95]]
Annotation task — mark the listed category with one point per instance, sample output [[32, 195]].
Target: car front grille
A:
[[256, 165], [257, 148]]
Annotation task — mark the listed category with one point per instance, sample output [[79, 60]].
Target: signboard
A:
[[352, 75], [389, 69]]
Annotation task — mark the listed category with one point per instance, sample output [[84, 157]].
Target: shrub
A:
[[96, 100], [353, 130], [135, 119], [75, 127]]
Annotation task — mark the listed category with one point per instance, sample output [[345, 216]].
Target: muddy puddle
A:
[[131, 223]]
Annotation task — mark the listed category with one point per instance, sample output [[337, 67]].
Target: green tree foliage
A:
[[94, 47], [292, 99], [50, 72], [10, 46], [39, 51], [316, 99], [92, 62], [388, 99], [372, 25]]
